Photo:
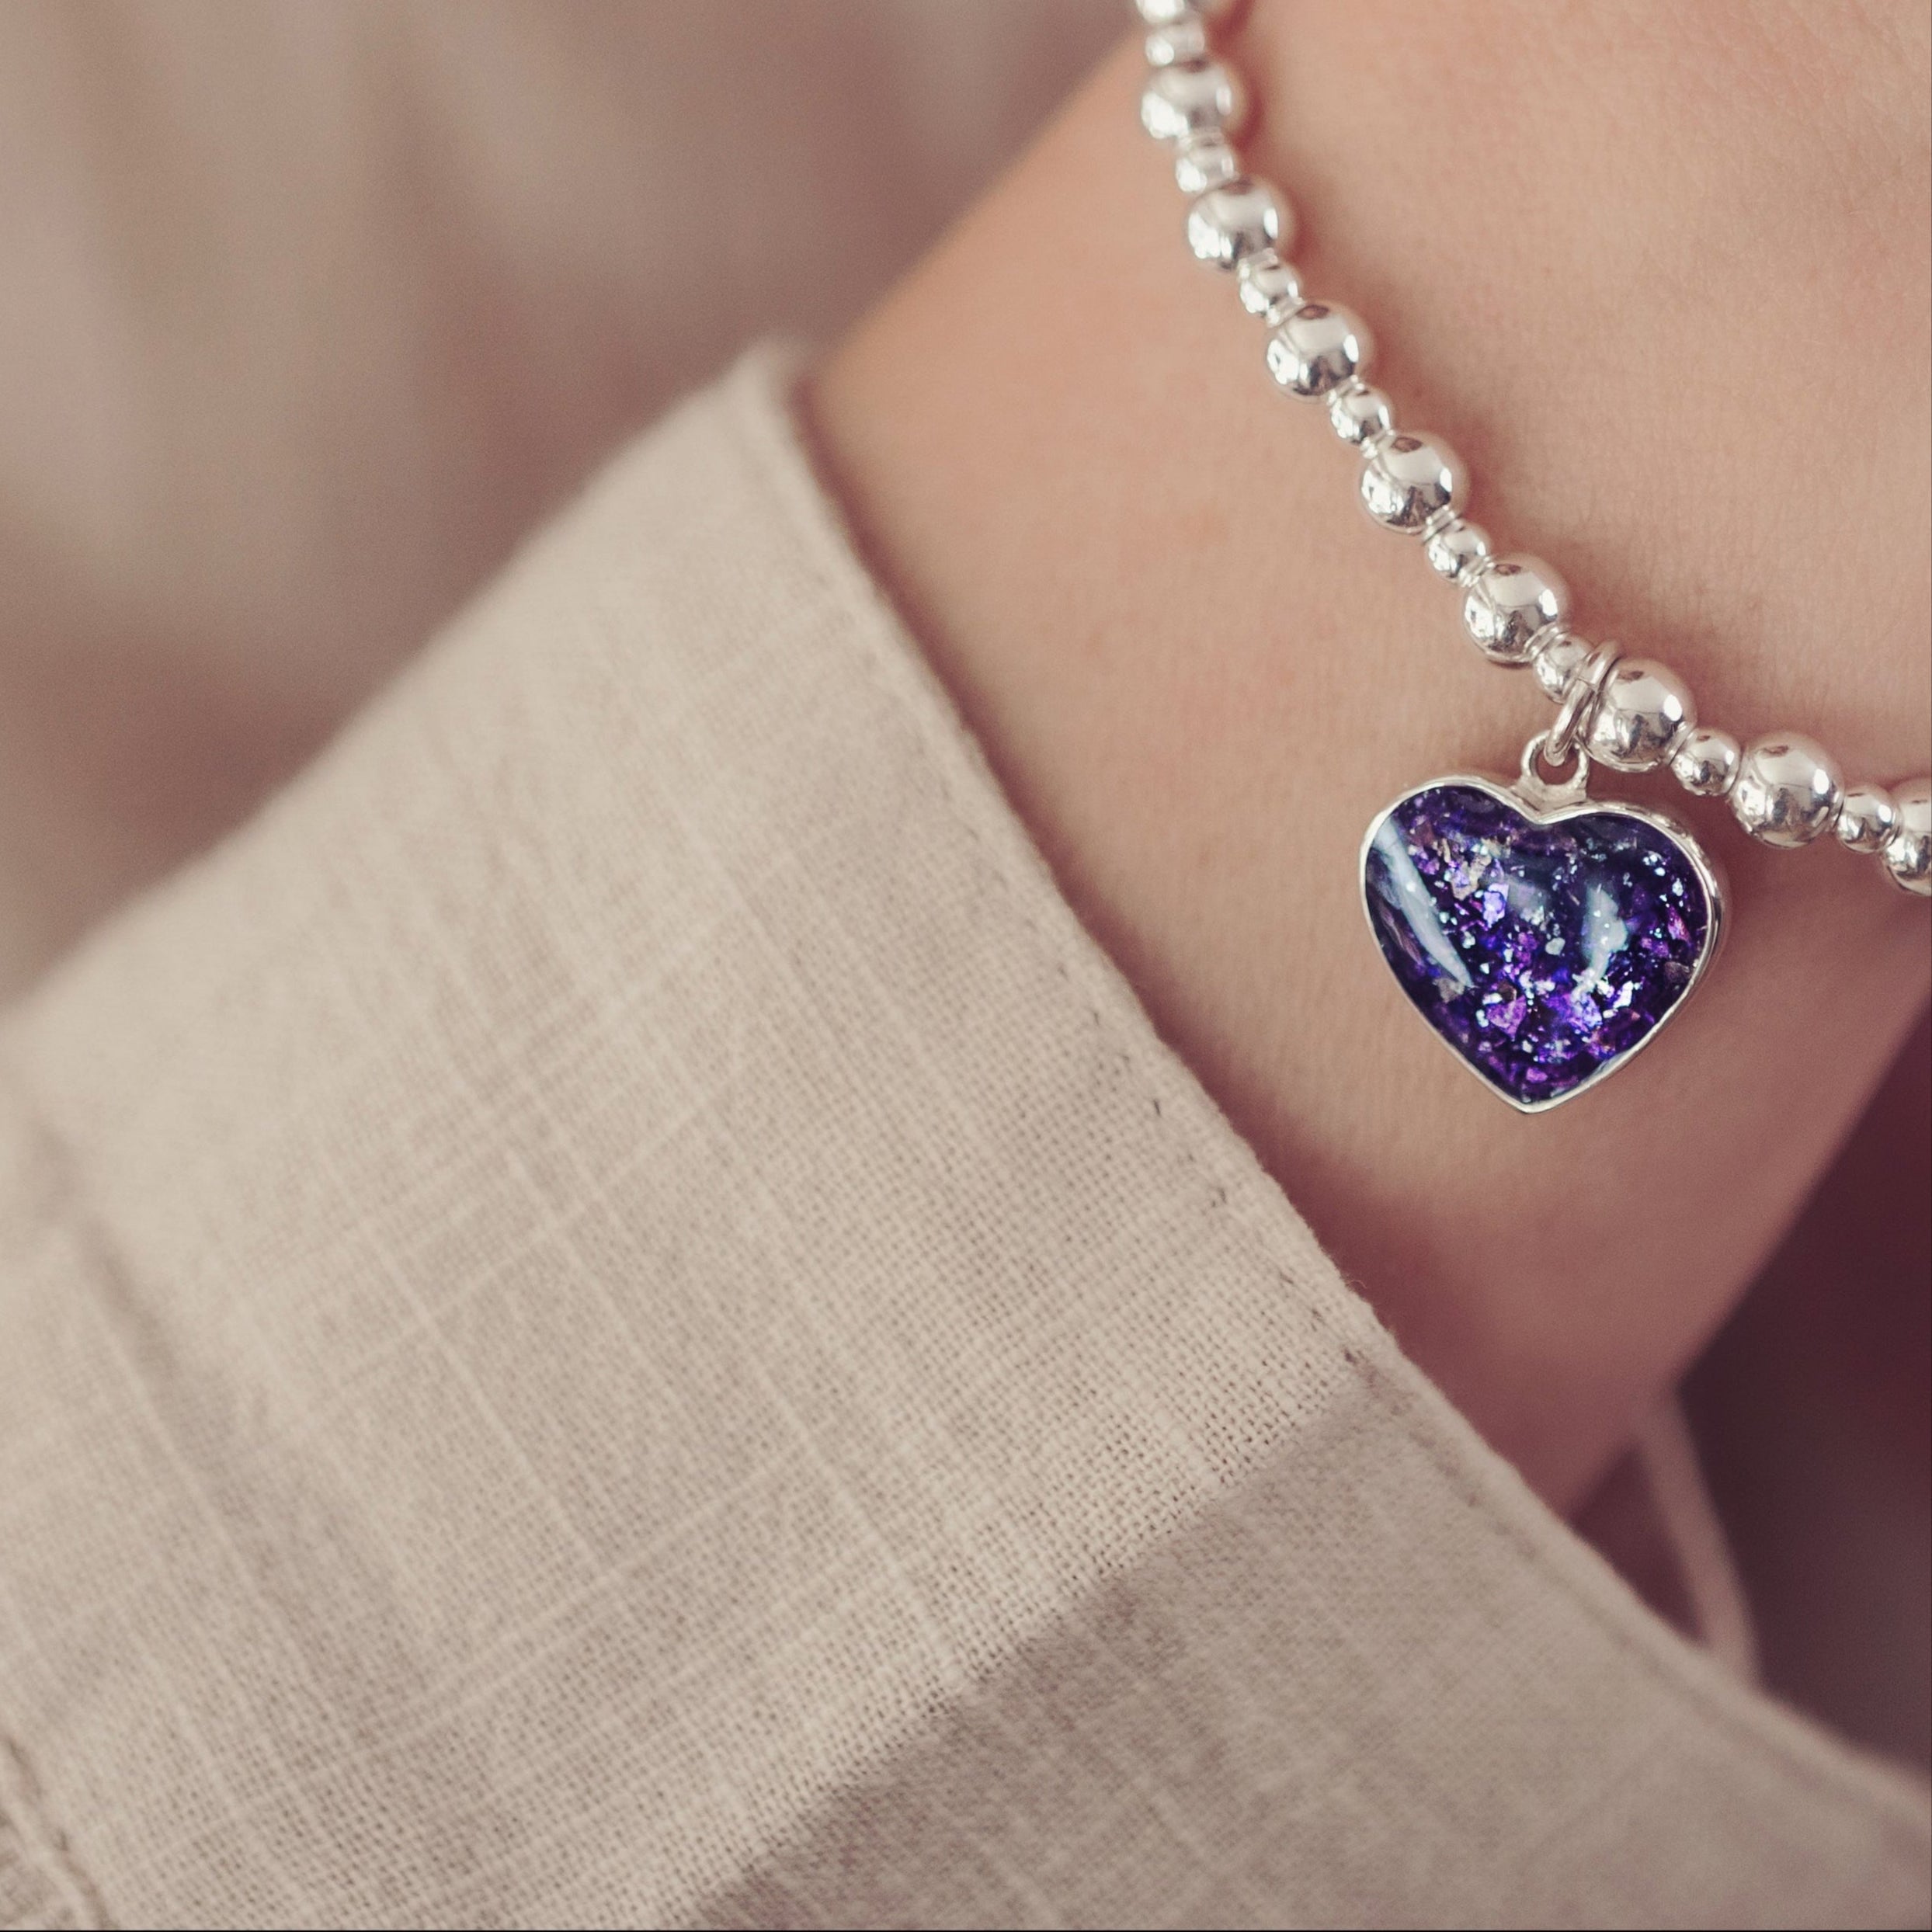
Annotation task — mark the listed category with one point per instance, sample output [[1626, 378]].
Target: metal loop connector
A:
[[1546, 793], [1579, 703]]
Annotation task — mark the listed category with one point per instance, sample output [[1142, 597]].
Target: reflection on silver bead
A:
[[1408, 481], [1204, 162], [1268, 287], [1165, 13], [1456, 545], [1359, 412], [1182, 39], [1866, 819], [1560, 655], [1706, 762], [1196, 97], [1908, 855], [1317, 348], [1787, 789], [1226, 223], [1510, 602], [1641, 715]]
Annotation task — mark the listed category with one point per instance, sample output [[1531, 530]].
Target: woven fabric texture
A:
[[611, 1316]]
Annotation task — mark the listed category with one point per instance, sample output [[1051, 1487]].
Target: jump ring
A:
[[1579, 703]]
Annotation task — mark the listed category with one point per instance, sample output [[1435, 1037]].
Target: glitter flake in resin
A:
[[1544, 950]]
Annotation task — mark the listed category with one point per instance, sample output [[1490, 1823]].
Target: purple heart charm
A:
[[1546, 942]]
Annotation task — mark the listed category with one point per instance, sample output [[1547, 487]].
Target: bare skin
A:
[[1661, 275]]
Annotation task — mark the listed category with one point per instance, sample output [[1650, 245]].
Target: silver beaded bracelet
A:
[[1545, 936]]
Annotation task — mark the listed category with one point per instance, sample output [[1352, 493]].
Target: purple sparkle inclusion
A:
[[1540, 953]]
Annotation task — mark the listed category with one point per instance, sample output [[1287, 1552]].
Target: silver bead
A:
[[1509, 602], [1409, 481], [1226, 223], [1205, 161], [1185, 39], [1198, 97], [1560, 655], [1359, 413], [1455, 546], [1908, 853], [1317, 348], [1267, 285], [1706, 763], [1787, 789], [1167, 13], [1641, 715], [1866, 819]]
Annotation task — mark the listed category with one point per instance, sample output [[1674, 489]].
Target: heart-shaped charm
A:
[[1544, 936]]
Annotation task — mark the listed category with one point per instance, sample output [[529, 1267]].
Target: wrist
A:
[[1200, 672]]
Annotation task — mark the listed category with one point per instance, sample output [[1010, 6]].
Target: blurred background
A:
[[313, 308]]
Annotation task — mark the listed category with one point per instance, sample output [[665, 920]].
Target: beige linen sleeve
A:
[[612, 1316]]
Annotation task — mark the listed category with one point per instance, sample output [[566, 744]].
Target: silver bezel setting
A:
[[1543, 804]]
